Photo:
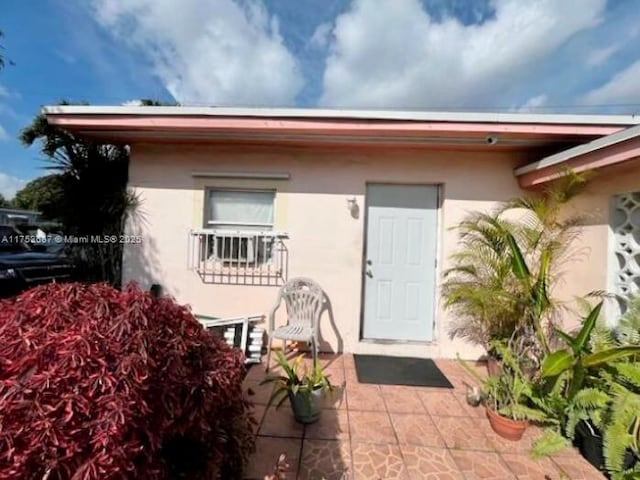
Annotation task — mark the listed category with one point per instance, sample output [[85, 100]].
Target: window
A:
[[238, 243], [238, 216], [625, 225], [241, 209]]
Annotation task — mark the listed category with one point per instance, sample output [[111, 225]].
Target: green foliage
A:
[[510, 392], [551, 442], [628, 329], [297, 380], [505, 269], [622, 431], [3, 202], [44, 194], [88, 196], [596, 381]]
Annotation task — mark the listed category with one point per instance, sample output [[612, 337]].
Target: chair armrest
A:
[[272, 317]]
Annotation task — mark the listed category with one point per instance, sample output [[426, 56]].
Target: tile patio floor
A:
[[394, 432]]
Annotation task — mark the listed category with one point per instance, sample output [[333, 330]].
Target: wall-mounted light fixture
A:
[[352, 205]]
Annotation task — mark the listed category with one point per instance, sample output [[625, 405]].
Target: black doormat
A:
[[417, 372]]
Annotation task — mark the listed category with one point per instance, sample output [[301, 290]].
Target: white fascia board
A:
[[312, 113], [592, 146]]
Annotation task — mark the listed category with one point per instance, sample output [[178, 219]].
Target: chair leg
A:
[[268, 354]]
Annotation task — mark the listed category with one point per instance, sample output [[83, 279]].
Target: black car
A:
[[22, 266]]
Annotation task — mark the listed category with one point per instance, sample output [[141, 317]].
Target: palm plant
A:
[[509, 261], [90, 195]]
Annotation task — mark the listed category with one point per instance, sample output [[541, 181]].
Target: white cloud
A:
[[3, 134], [534, 103], [4, 91], [601, 55], [212, 52], [10, 185], [321, 35], [622, 88], [132, 103], [393, 54]]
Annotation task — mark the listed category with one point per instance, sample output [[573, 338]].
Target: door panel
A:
[[399, 279]]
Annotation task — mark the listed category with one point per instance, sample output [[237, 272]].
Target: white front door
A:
[[400, 261]]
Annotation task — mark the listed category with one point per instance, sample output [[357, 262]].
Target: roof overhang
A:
[[131, 124], [613, 149]]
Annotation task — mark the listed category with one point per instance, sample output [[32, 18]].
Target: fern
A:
[[620, 435], [551, 442], [628, 329]]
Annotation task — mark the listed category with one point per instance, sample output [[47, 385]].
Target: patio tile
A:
[[336, 375], [399, 399], [371, 427], [258, 394], [462, 433], [500, 444], [268, 450], [442, 403], [348, 361], [526, 468], [351, 377], [373, 462], [576, 468], [416, 429], [429, 463], [281, 423], [481, 465], [258, 414], [325, 460], [337, 399], [331, 360], [365, 398], [333, 424], [477, 412], [256, 373]]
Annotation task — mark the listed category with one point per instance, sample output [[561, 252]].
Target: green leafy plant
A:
[[577, 359], [510, 392], [591, 381], [621, 426], [298, 379], [508, 263], [628, 328]]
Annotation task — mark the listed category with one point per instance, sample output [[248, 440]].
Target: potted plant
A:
[[506, 267], [304, 387], [507, 396], [587, 388]]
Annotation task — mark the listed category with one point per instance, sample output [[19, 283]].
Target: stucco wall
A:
[[593, 264], [326, 242]]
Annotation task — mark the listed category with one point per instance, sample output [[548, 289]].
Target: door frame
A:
[[436, 287]]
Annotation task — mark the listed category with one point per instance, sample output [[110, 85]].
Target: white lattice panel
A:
[[625, 223]]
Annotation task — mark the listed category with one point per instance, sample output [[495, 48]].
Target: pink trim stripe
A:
[[615, 154], [316, 127]]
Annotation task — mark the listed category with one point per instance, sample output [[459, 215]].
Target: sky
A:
[[541, 56]]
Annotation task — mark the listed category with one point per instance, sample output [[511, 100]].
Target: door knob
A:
[[369, 262]]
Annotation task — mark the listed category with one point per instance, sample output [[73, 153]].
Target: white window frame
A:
[[208, 223], [244, 244]]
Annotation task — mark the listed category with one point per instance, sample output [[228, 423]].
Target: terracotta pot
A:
[[506, 427]]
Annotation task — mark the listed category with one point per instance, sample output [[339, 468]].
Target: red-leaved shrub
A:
[[96, 383]]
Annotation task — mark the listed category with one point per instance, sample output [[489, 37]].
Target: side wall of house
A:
[[325, 240], [593, 266]]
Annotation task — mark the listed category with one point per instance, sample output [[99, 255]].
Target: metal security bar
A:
[[238, 257]]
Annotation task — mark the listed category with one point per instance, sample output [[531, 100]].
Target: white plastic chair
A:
[[303, 299]]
